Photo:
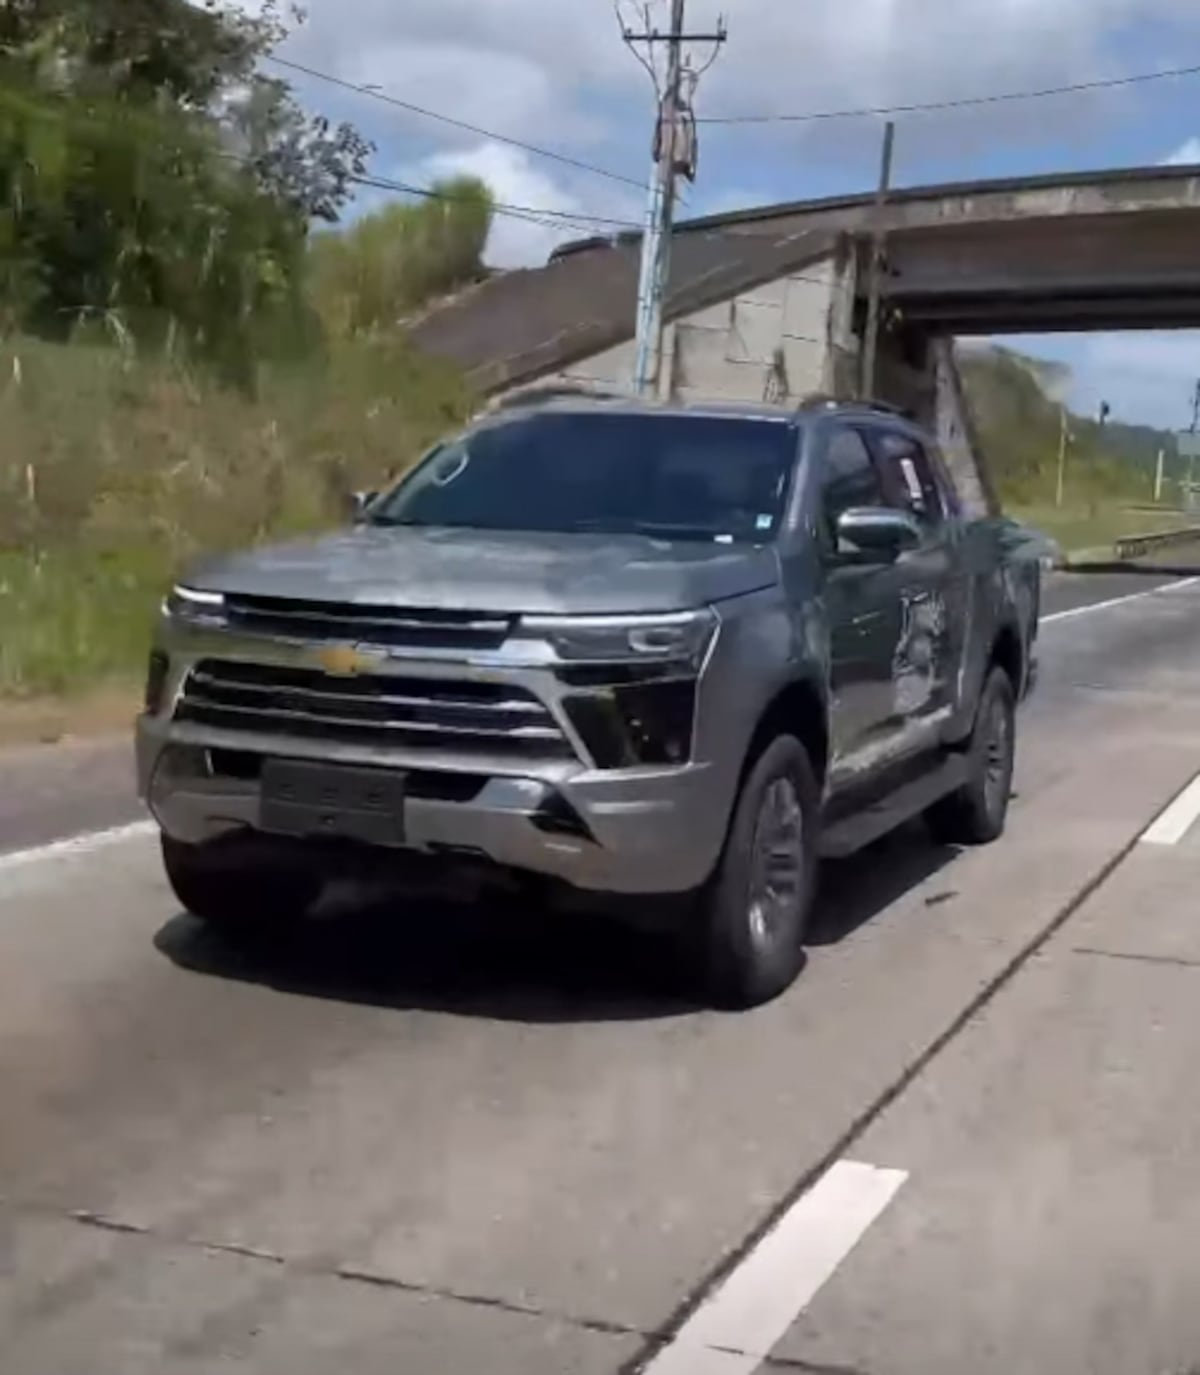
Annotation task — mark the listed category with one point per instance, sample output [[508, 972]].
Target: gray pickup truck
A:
[[625, 650]]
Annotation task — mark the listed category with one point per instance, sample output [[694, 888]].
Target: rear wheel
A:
[[976, 813], [237, 884], [756, 906]]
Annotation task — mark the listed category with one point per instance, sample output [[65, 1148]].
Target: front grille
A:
[[348, 622], [373, 709]]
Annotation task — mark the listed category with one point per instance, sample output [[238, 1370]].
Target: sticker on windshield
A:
[[762, 523], [444, 476]]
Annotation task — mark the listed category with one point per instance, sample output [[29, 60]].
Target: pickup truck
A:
[[635, 651]]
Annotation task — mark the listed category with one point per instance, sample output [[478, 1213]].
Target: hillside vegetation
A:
[[185, 363], [1020, 427]]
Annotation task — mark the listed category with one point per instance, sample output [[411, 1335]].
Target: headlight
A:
[[191, 604], [677, 637]]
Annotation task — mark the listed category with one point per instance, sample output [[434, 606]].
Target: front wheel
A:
[[756, 906], [975, 813], [235, 885]]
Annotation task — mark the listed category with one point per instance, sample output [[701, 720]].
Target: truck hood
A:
[[535, 574]]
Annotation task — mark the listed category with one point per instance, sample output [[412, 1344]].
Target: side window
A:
[[951, 501], [848, 477], [907, 476]]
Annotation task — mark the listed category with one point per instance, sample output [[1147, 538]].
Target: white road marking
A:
[[84, 844], [1118, 601], [1177, 819], [736, 1327]]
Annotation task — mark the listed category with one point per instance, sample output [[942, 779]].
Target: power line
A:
[[538, 214], [963, 102], [376, 94], [548, 219]]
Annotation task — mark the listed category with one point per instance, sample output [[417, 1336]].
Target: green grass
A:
[[1095, 526], [116, 474], [70, 620]]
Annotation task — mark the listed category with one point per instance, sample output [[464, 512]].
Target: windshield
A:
[[678, 477]]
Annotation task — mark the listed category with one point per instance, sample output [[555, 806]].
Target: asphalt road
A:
[[450, 1141]]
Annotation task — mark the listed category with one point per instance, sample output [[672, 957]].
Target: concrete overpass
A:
[[769, 303], [1090, 250]]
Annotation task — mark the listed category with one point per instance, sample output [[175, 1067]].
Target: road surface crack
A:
[[809, 1367], [1173, 961], [503, 1304], [87, 1217]]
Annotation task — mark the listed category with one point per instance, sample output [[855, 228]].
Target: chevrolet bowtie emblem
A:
[[344, 661]]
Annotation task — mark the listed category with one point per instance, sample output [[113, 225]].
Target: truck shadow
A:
[[509, 961]]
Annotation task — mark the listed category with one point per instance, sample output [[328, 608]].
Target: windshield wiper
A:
[[686, 532], [405, 523]]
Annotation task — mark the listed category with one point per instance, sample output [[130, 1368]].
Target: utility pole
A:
[[675, 155], [1190, 496], [871, 342], [1158, 475], [1064, 438]]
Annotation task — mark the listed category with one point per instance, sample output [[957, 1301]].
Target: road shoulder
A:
[[1049, 1218]]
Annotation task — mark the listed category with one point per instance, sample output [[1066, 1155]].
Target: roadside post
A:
[[1188, 444]]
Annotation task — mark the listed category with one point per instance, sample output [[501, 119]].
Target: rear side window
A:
[[907, 475], [848, 477]]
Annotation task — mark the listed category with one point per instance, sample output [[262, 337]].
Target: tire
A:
[[752, 925], [236, 886], [975, 814]]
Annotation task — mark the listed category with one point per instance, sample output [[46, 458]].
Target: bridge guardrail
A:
[[1134, 546]]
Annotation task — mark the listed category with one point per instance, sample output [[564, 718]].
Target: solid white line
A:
[[1118, 601], [736, 1327], [85, 844], [1177, 819]]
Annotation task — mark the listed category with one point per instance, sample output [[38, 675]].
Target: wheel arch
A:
[[1008, 653], [800, 708]]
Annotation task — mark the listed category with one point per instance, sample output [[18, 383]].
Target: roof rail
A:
[[574, 246], [823, 401], [888, 408], [554, 391]]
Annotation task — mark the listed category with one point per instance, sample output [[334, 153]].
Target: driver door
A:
[[862, 605]]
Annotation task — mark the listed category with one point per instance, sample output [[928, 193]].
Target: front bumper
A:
[[644, 831]]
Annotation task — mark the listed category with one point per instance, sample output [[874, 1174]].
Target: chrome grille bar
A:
[[389, 710]]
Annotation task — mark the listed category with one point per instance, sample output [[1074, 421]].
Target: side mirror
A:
[[360, 502], [879, 530]]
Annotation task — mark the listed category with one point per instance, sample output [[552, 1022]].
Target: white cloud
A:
[[528, 65], [1146, 377], [521, 240], [1186, 155], [555, 73]]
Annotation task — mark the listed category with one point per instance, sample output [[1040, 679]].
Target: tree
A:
[[153, 181], [393, 260], [202, 58]]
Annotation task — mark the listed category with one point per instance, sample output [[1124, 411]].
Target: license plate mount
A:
[[309, 799]]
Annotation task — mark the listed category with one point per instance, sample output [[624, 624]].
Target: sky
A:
[[555, 74]]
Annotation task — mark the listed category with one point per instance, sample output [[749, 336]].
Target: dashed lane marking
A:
[[1176, 819], [735, 1328]]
